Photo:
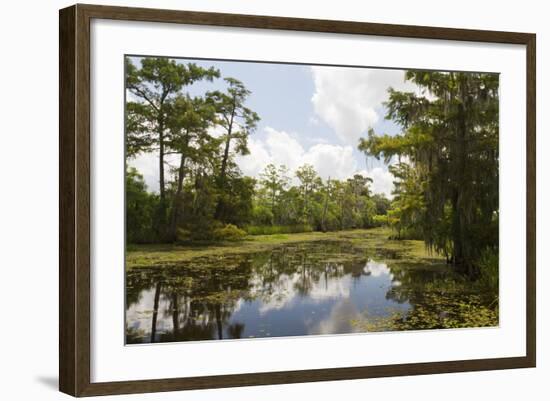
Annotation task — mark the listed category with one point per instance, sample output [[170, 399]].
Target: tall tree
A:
[[274, 180], [237, 122], [408, 208], [325, 206], [450, 137], [381, 203], [359, 188], [309, 180], [189, 121], [151, 88]]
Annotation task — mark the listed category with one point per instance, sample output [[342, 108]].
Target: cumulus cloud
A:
[[349, 99], [382, 180], [331, 160], [280, 147], [335, 161]]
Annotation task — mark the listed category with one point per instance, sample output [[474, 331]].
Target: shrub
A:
[[229, 232], [379, 220], [488, 273]]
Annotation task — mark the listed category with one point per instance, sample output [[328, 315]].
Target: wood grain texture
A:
[[300, 24], [74, 206], [74, 198], [67, 254], [300, 376], [531, 178]]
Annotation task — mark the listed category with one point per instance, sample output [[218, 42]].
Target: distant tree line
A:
[[315, 204]]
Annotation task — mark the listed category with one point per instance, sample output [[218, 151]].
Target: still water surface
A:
[[299, 289]]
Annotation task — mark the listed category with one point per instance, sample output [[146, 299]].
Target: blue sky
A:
[[309, 114]]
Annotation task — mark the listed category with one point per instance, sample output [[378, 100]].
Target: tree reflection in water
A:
[[309, 288]]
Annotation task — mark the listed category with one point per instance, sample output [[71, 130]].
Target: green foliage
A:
[[449, 313], [446, 174], [309, 182], [447, 171], [320, 205], [488, 280], [141, 207], [270, 230], [274, 182], [449, 303], [229, 232], [262, 214], [381, 203], [154, 85], [236, 199], [205, 191], [237, 122], [379, 220], [155, 90], [204, 194]]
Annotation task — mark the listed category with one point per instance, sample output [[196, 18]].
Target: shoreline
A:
[[161, 255]]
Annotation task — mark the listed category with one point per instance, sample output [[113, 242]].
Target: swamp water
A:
[[310, 288]]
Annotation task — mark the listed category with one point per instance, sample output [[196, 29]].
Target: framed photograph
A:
[[250, 200]]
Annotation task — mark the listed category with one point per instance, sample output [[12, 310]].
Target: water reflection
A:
[[315, 288]]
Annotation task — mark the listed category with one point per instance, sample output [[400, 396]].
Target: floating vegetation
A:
[[355, 281]]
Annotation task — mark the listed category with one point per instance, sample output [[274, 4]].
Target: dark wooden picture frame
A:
[[74, 204]]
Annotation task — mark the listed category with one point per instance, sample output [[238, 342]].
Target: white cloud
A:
[[331, 160], [335, 161], [348, 99], [339, 320], [382, 180], [283, 148], [254, 162], [284, 292], [378, 269], [280, 147]]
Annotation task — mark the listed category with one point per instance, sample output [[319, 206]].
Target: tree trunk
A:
[[460, 256], [457, 257], [306, 195], [219, 326], [325, 207], [155, 312], [161, 163], [160, 223], [223, 170], [342, 214], [273, 196], [175, 316], [177, 204]]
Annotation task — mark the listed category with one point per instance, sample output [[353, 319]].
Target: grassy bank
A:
[[167, 254]]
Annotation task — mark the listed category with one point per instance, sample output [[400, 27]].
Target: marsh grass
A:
[[278, 229], [371, 242]]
